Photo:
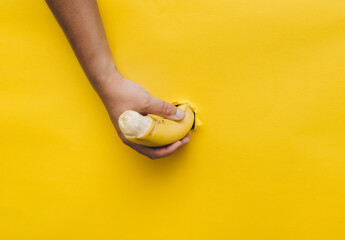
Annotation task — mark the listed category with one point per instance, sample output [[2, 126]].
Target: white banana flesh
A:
[[134, 125]]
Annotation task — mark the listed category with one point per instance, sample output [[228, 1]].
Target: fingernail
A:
[[179, 113]]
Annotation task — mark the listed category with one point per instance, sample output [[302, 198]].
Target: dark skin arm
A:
[[83, 27]]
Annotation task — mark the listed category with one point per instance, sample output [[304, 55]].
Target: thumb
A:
[[165, 109]]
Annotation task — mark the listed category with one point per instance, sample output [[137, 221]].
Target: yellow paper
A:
[[197, 122], [267, 78]]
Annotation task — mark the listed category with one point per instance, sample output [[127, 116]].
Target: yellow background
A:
[[268, 78]]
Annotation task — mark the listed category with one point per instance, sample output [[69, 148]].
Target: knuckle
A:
[[167, 108], [152, 157], [161, 154]]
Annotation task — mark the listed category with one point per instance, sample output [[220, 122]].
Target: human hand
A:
[[121, 94]]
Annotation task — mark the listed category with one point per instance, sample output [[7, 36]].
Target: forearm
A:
[[82, 24]]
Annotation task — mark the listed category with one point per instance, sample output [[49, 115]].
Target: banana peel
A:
[[156, 131]]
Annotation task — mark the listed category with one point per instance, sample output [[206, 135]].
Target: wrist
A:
[[106, 84]]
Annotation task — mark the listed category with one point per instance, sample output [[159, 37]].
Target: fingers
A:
[[160, 152], [164, 109]]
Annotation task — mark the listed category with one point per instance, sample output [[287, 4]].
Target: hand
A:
[[122, 94]]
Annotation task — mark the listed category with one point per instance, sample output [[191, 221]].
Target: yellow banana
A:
[[155, 131]]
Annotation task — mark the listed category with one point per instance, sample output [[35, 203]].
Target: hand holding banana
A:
[[169, 125], [155, 131]]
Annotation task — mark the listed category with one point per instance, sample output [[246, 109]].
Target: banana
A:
[[153, 130]]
